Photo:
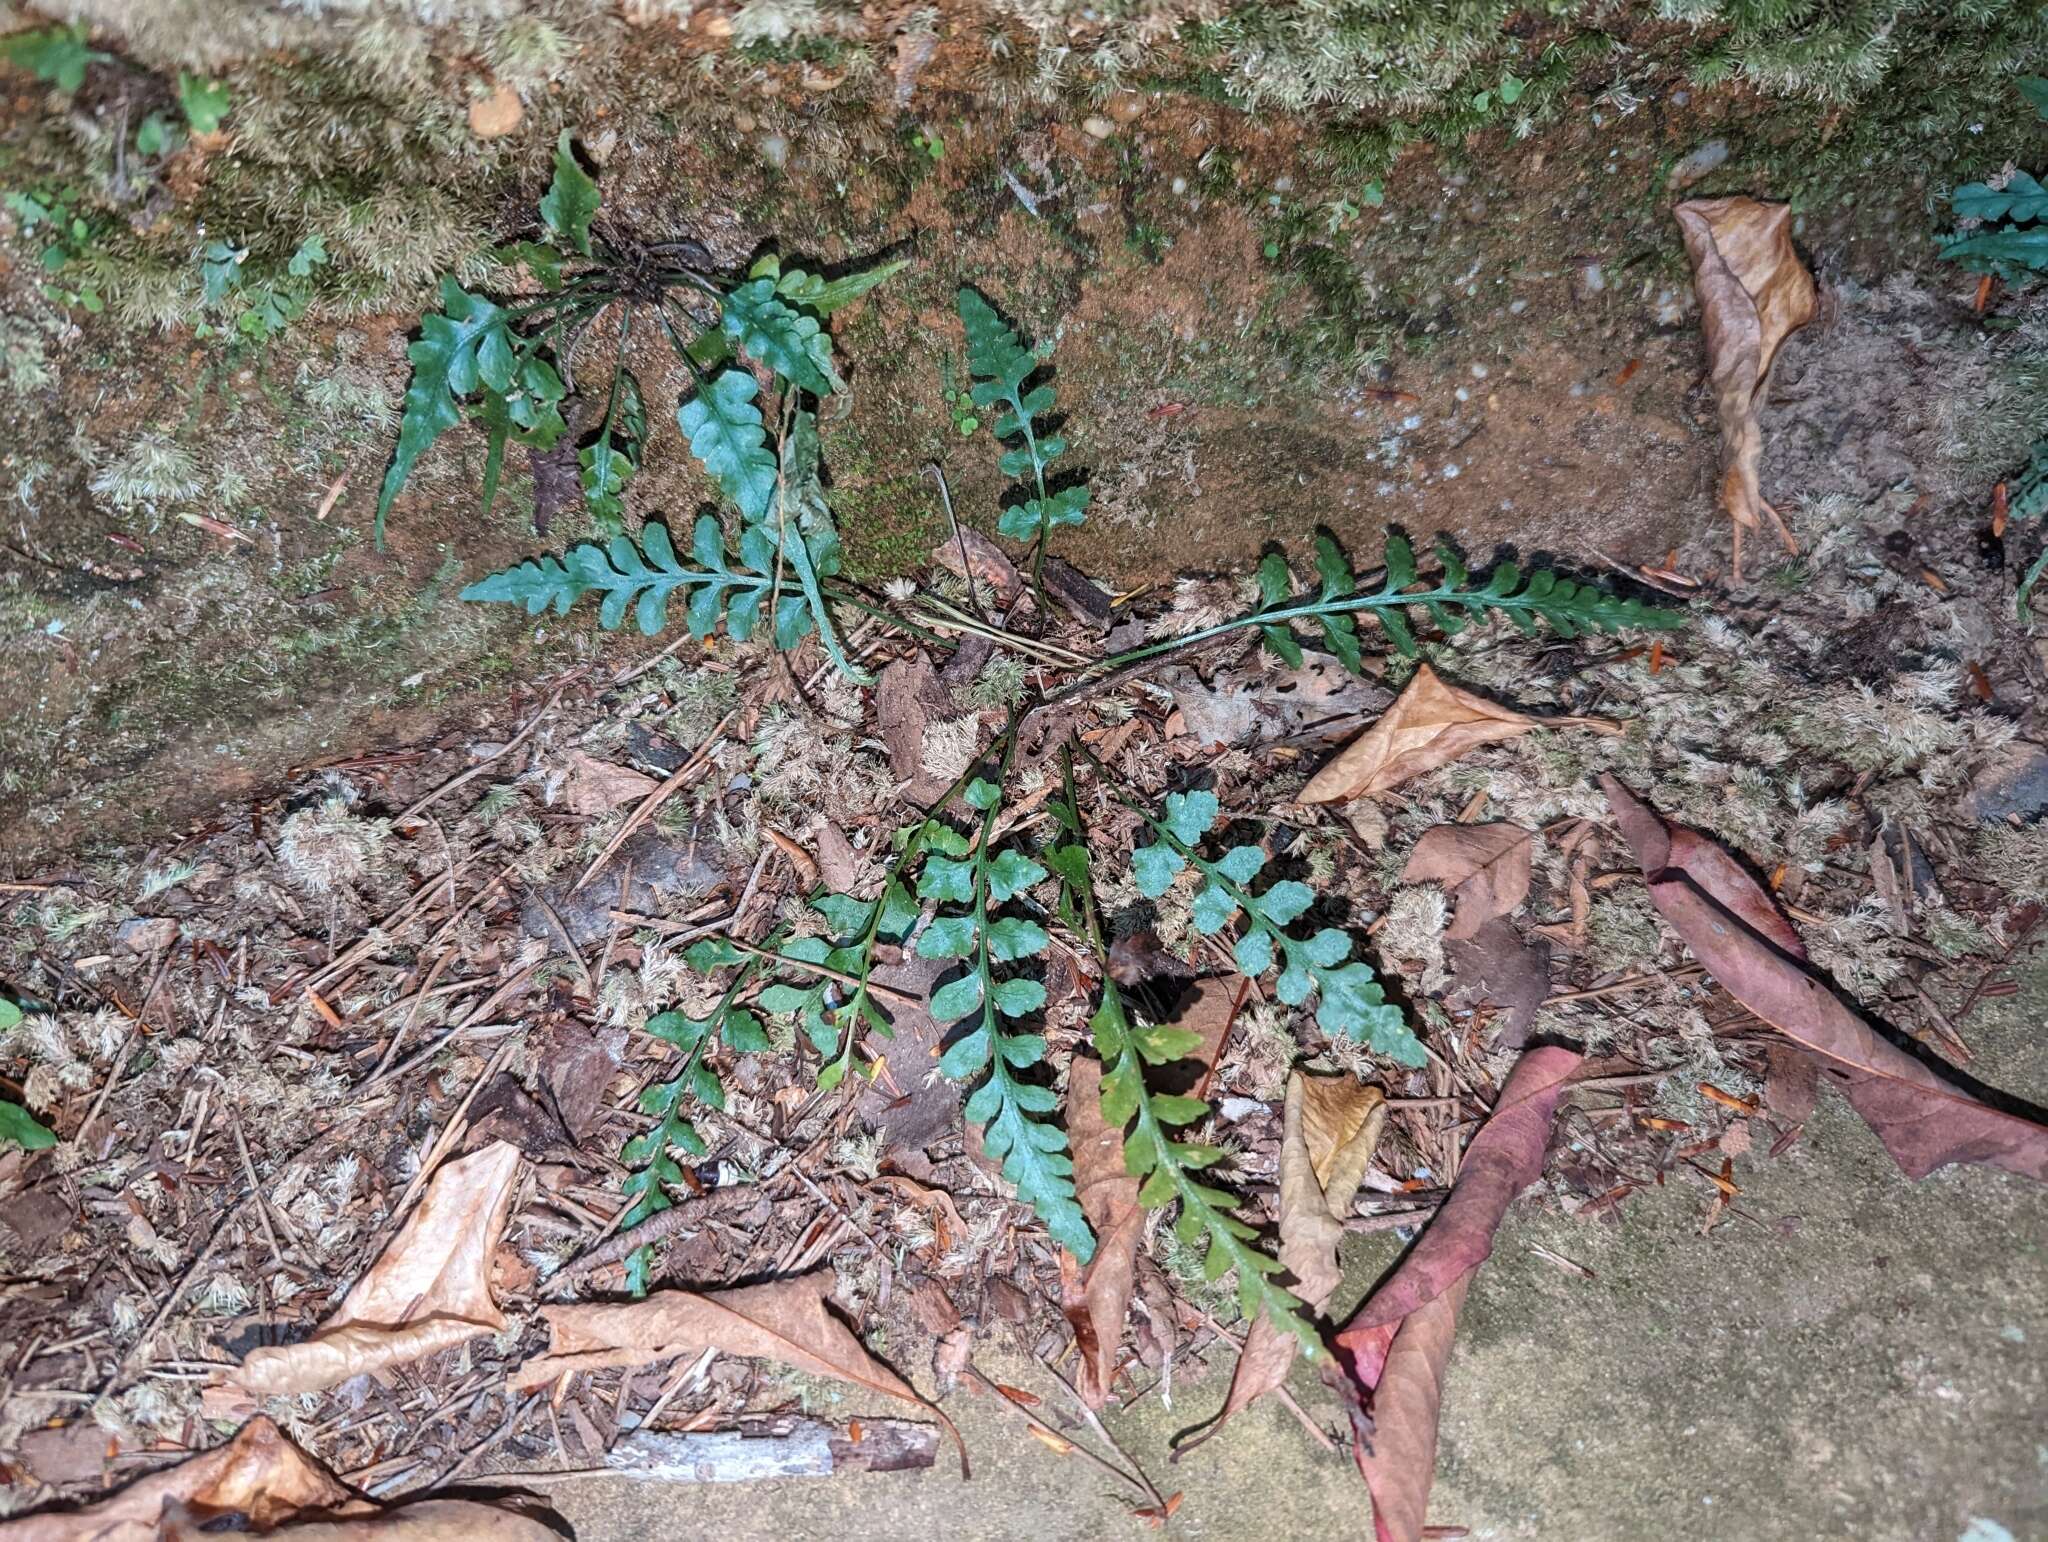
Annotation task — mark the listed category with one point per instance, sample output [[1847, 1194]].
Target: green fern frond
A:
[[1000, 365], [466, 346], [645, 584], [1349, 1000], [1166, 1165], [648, 1154], [1011, 1111], [792, 344], [1567, 606], [722, 421]]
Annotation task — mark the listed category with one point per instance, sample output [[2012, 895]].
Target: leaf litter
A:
[[326, 1021]]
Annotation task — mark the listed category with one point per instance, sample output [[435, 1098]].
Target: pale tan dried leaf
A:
[[597, 786], [1430, 724], [787, 1321], [259, 1474], [1099, 1297], [1332, 1128], [1753, 295], [1483, 868], [429, 1290]]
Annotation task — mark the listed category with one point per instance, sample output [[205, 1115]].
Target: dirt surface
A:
[[1863, 1363], [317, 878], [1500, 348]]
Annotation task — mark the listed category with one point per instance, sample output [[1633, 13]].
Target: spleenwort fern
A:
[[648, 1153], [642, 580], [1167, 1166], [1001, 366], [1452, 600], [1349, 1000], [511, 368], [1010, 1109]]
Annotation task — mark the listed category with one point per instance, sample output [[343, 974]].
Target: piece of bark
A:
[[1753, 295], [1484, 869], [775, 1448], [1098, 1298], [913, 1106], [1430, 724], [1078, 593], [576, 1069], [1746, 943], [429, 1290], [1495, 965]]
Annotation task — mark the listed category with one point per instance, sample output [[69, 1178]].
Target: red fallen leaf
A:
[[1394, 1349], [1746, 943]]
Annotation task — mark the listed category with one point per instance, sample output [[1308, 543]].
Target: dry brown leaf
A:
[[1332, 1128], [838, 863], [1497, 966], [1407, 1409], [1743, 940], [1483, 868], [1430, 724], [787, 1321], [1753, 295], [1393, 1351], [597, 786], [259, 1481], [259, 1474], [1099, 1297], [496, 115], [428, 1290]]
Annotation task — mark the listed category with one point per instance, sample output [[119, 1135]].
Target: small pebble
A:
[[1097, 127]]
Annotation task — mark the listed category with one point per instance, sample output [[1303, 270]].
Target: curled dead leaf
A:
[[1332, 1127], [1098, 1298], [1747, 944], [1483, 868], [430, 1288], [1430, 724], [1753, 295], [785, 1320], [1394, 1348], [260, 1481]]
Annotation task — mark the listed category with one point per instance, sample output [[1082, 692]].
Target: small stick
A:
[[1102, 1434], [700, 757], [568, 943], [255, 1189], [1040, 1425], [875, 987], [1633, 982]]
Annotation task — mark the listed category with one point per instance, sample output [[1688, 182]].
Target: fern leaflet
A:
[[1167, 1166], [1349, 1000], [1001, 366], [648, 1153]]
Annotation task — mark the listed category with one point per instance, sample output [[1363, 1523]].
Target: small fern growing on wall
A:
[[511, 368], [1003, 369]]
